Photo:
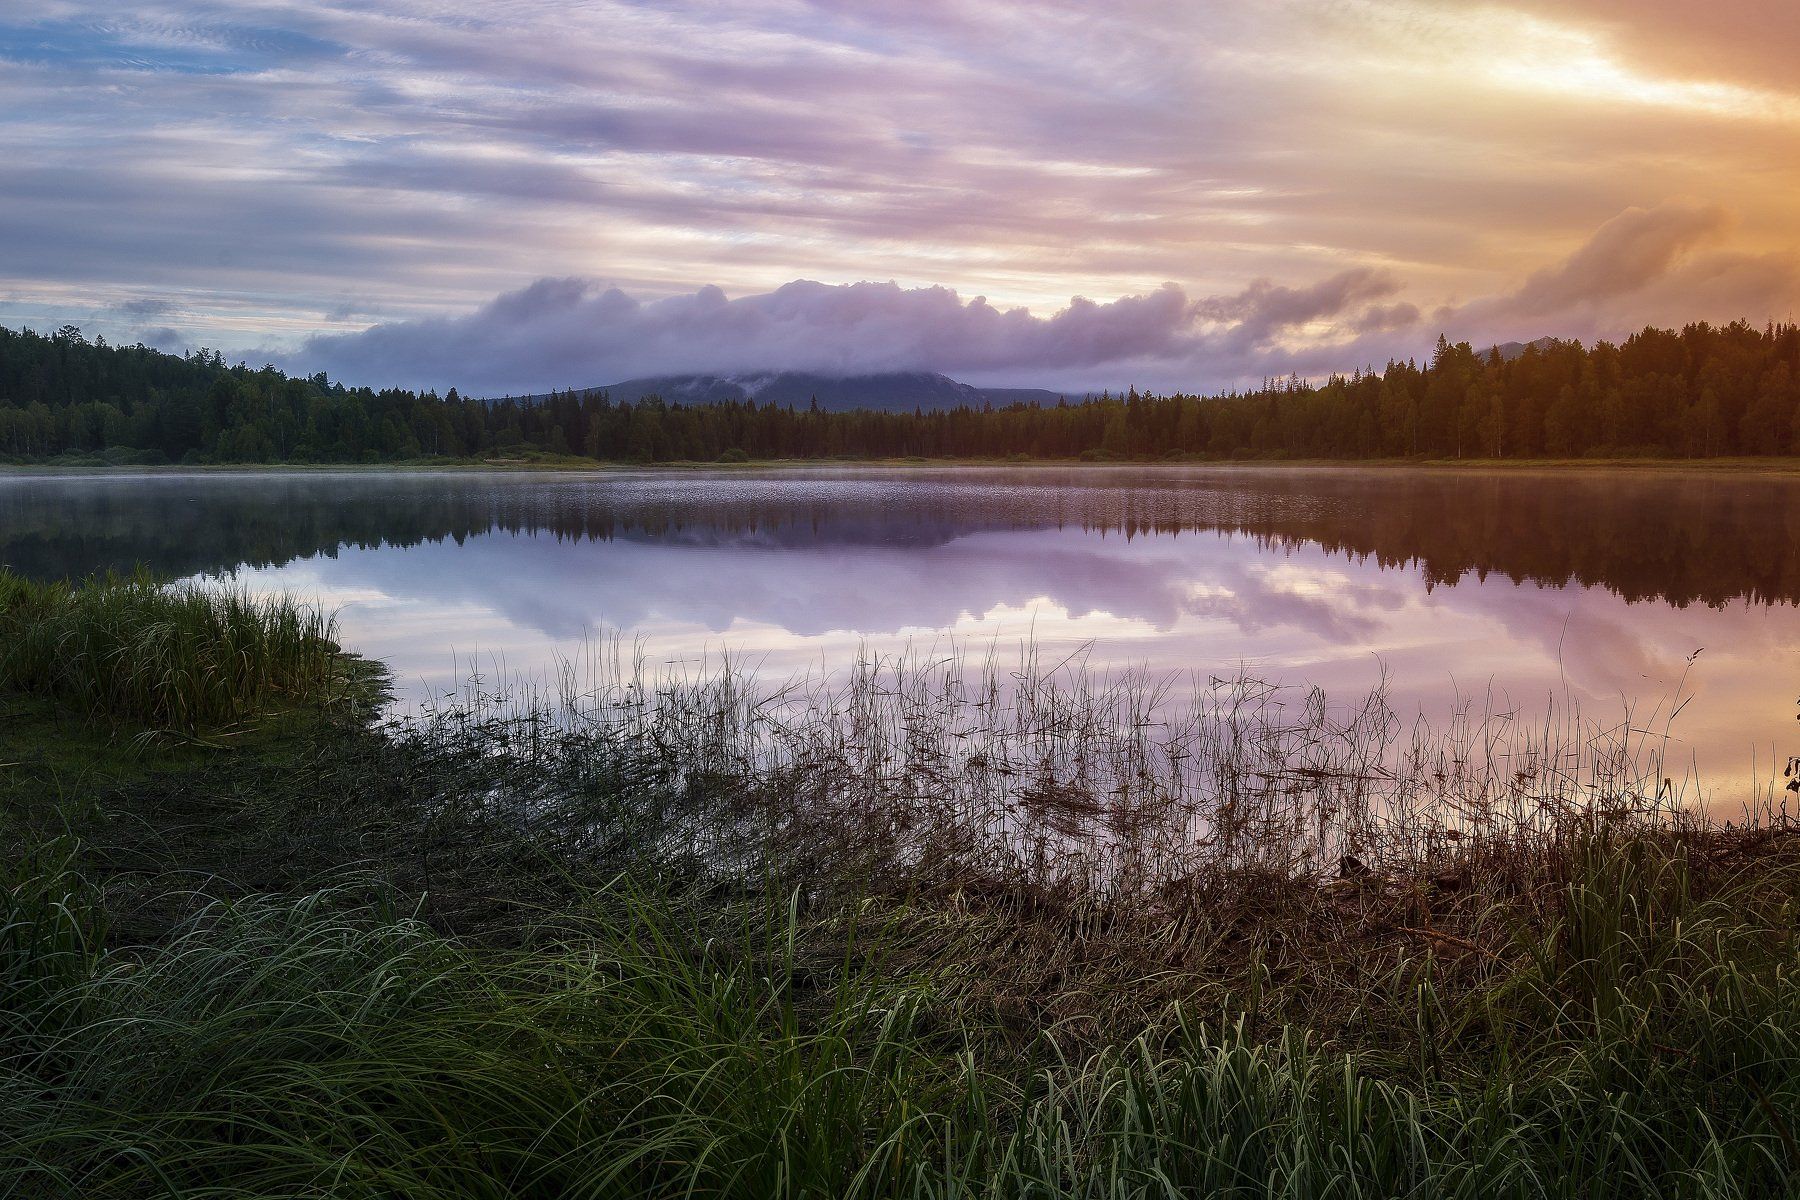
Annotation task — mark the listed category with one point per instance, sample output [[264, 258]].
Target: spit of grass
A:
[[918, 936], [180, 659]]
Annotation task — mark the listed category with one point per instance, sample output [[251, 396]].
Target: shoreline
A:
[[1784, 465]]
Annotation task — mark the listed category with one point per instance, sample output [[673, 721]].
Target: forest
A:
[[1705, 391]]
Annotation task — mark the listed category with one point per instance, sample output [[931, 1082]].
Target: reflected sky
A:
[[1588, 586]]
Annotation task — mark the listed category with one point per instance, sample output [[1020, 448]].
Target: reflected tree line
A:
[[1701, 392], [1679, 538]]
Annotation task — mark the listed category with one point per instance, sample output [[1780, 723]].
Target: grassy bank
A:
[[903, 938]]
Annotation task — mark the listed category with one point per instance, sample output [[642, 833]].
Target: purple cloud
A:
[[572, 332], [562, 332]]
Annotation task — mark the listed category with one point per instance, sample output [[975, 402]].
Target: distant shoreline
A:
[[1783, 465]]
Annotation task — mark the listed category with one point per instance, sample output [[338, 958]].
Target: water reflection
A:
[[1600, 584]]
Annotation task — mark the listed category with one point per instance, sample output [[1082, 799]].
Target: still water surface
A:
[[1614, 590]]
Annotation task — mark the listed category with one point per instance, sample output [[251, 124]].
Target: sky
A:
[[513, 195]]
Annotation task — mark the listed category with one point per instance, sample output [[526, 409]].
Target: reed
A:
[[936, 771], [182, 659]]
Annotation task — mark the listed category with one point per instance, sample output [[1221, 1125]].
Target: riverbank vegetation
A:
[[1705, 391], [931, 928]]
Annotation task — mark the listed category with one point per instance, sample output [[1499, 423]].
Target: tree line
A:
[[1704, 391]]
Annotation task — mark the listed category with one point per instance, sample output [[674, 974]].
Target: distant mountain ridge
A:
[[1511, 350], [895, 391]]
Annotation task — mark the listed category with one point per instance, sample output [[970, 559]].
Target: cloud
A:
[[557, 332], [1658, 265], [263, 162], [145, 308], [1755, 40], [1263, 310], [1662, 264], [1388, 318], [1631, 250], [563, 332]]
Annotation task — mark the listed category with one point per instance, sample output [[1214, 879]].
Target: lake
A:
[[1640, 592]]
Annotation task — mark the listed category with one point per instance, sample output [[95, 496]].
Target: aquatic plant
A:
[[938, 770]]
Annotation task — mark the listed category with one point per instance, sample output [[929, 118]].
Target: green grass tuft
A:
[[182, 659]]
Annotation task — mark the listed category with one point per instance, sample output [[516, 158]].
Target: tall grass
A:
[[182, 658], [311, 1046], [938, 771]]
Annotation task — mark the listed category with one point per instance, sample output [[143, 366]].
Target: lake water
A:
[[1616, 590]]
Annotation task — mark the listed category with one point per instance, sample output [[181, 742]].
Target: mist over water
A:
[[1621, 593]]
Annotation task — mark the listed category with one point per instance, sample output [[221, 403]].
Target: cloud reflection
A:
[[1204, 603], [1595, 588]]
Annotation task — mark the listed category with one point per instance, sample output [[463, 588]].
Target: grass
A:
[[180, 659], [924, 930], [316, 1045]]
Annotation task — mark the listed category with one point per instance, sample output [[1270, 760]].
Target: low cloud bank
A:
[[556, 332], [1640, 267]]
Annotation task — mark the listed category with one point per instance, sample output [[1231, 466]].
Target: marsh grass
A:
[[180, 659], [931, 928], [938, 771], [1065, 852], [316, 1045]]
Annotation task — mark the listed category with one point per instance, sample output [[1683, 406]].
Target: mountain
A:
[[1511, 350], [899, 391]]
